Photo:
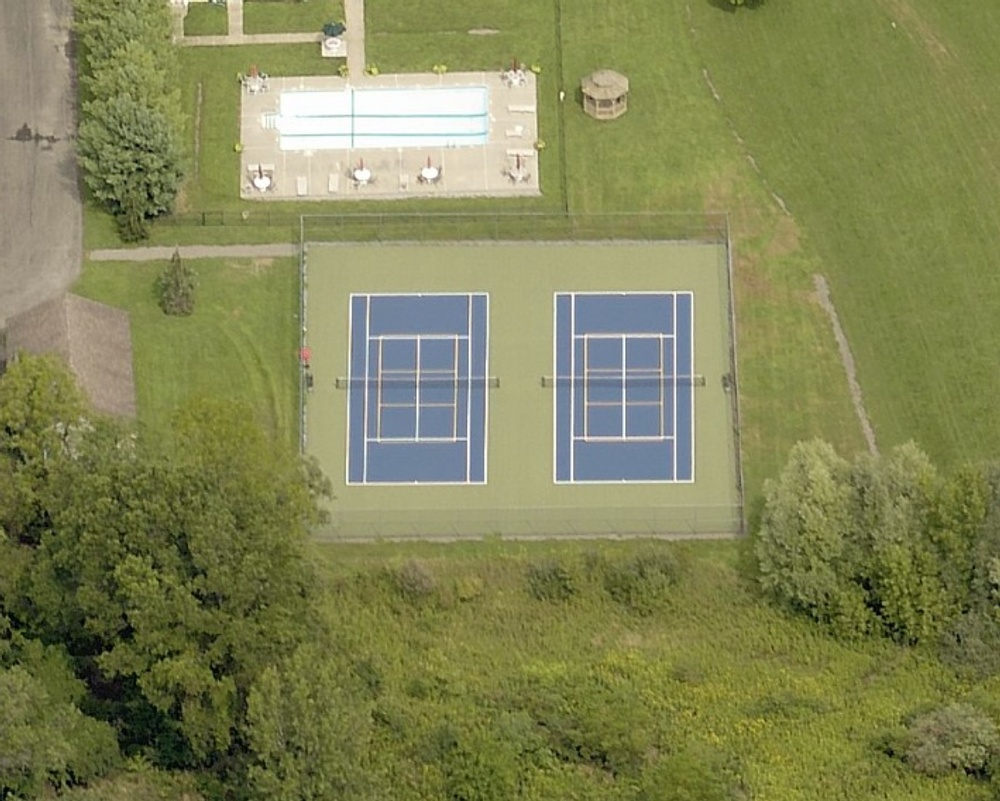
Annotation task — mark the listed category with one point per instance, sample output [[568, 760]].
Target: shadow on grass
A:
[[726, 5]]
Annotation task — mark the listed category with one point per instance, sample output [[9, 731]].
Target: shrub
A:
[[958, 737], [413, 580], [549, 580], [468, 588], [698, 775], [175, 287], [971, 645], [642, 581]]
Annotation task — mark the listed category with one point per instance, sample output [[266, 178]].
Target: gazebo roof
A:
[[604, 85]]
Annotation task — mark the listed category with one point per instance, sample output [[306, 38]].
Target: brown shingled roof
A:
[[604, 85], [92, 338]]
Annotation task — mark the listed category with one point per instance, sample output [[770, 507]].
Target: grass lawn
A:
[[206, 19], [712, 671], [674, 150], [881, 139], [240, 343], [290, 16]]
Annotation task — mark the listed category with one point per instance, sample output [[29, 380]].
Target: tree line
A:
[[131, 124], [153, 602], [885, 545]]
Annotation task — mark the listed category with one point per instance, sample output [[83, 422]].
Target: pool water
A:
[[383, 118]]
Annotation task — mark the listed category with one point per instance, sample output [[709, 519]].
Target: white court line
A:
[[693, 372], [572, 386], [416, 396], [454, 394], [624, 390], [600, 438], [350, 353], [586, 386], [673, 300], [378, 395], [468, 407], [486, 390], [412, 441], [634, 334], [364, 433], [420, 336], [660, 421], [555, 392]]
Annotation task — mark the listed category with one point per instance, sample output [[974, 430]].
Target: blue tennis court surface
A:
[[624, 388], [417, 397]]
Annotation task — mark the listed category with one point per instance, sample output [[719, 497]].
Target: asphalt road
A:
[[40, 213]]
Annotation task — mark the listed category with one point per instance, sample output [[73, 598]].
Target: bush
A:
[[549, 580], [642, 581], [958, 737], [413, 580], [699, 775], [175, 287], [971, 645]]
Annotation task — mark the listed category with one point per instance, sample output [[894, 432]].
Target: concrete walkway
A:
[[234, 10], [251, 39], [354, 21], [196, 252]]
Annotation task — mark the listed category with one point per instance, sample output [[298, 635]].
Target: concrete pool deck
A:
[[466, 171]]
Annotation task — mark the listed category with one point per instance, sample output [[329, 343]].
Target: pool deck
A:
[[470, 171]]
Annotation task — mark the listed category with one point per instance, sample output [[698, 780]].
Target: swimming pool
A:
[[383, 118]]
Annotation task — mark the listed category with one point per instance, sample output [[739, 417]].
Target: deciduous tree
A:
[[309, 727], [183, 577], [803, 543], [40, 408]]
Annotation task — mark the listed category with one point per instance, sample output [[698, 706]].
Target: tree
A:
[[135, 70], [803, 542], [308, 726], [45, 740], [130, 155], [865, 547], [40, 409], [892, 497], [175, 287], [178, 580], [106, 27]]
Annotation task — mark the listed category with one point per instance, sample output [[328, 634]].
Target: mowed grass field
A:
[[879, 140], [239, 343], [876, 123], [290, 16], [206, 19]]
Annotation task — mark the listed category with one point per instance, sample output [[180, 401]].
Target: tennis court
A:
[[522, 389], [417, 400], [624, 387]]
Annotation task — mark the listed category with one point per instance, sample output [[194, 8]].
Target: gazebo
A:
[[605, 94]]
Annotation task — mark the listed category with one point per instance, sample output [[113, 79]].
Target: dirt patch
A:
[[847, 358], [255, 266]]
